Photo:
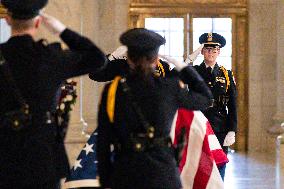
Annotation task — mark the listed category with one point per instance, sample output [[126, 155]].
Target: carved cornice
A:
[[185, 10], [192, 6], [188, 2]]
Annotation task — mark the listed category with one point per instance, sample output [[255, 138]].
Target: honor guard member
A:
[[222, 115], [136, 113], [31, 74]]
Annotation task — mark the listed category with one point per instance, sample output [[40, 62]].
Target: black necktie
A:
[[209, 70]]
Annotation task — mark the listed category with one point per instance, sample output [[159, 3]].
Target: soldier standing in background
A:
[[223, 113]]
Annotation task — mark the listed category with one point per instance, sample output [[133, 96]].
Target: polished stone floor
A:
[[254, 171]]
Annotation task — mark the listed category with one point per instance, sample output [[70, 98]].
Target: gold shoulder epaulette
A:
[[110, 104], [226, 76], [161, 69]]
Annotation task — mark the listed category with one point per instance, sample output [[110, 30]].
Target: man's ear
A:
[[219, 51], [202, 51], [37, 21]]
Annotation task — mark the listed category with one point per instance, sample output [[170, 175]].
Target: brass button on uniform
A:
[[151, 135], [138, 146], [16, 122]]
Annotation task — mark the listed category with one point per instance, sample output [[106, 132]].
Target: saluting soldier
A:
[[30, 154], [136, 113], [222, 115]]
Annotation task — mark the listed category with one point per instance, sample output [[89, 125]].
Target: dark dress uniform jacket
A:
[[159, 98], [30, 156], [223, 115]]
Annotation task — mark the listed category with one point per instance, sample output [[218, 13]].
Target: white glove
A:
[[119, 53], [192, 57], [52, 24], [178, 64], [229, 139]]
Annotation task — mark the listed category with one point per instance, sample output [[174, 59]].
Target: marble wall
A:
[[265, 73]]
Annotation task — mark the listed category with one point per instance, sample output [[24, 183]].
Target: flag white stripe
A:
[[215, 181], [81, 183], [213, 142], [194, 149]]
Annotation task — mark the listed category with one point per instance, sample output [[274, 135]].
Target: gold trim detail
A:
[[160, 66], [226, 76], [111, 98]]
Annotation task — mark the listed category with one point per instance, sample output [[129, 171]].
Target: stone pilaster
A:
[[278, 118]]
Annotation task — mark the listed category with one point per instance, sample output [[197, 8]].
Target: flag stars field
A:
[[88, 148], [77, 164]]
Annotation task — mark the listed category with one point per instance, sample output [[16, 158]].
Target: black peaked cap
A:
[[24, 9], [142, 40], [212, 39]]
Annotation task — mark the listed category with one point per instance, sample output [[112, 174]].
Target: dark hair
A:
[[143, 62], [135, 55]]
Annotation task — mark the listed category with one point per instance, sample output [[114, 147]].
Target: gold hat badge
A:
[[209, 37]]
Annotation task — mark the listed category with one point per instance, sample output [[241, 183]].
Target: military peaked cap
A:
[[212, 39], [24, 9], [142, 40]]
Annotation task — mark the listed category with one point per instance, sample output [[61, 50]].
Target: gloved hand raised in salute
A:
[[52, 24], [119, 53], [192, 57], [179, 65]]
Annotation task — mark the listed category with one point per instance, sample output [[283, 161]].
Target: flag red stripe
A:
[[184, 120], [209, 129], [220, 157], [218, 154], [204, 168]]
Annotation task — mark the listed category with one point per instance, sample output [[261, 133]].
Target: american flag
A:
[[84, 171], [200, 154], [198, 163]]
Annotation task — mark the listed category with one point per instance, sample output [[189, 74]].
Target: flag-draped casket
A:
[[199, 155]]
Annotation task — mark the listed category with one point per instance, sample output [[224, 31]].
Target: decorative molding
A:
[[133, 21], [184, 10], [190, 2], [241, 52], [186, 6]]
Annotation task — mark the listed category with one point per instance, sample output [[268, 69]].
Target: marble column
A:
[[262, 73], [278, 117]]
